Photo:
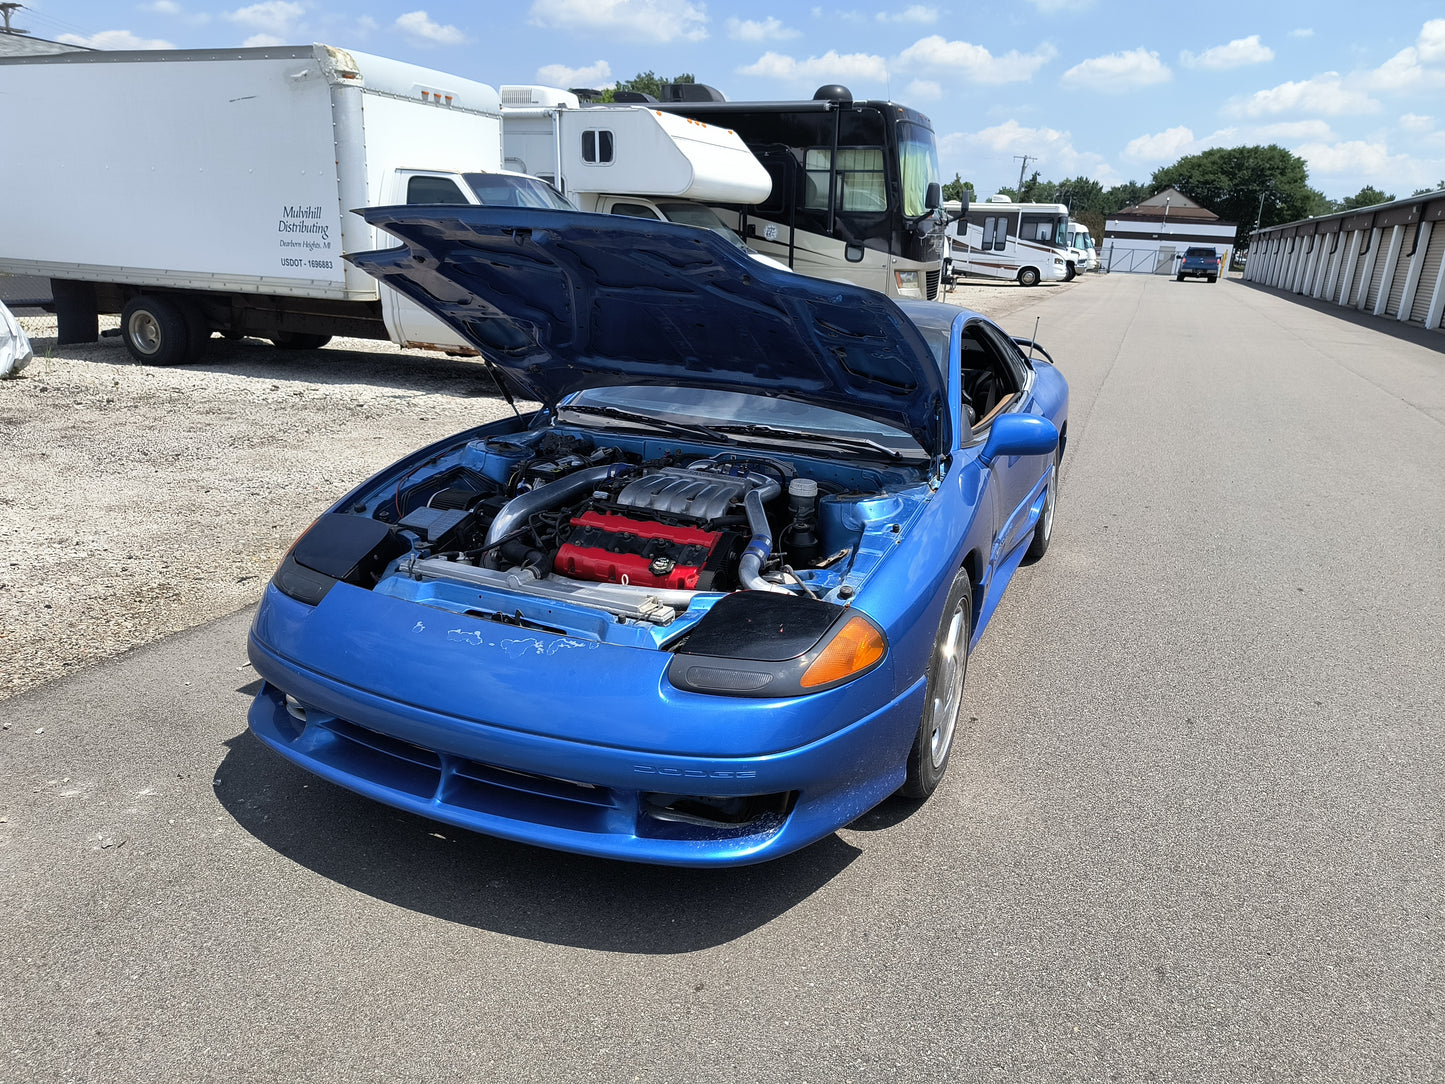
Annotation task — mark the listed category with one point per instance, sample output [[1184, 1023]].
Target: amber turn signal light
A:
[[856, 647]]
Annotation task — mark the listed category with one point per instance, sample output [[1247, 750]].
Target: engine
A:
[[598, 518]]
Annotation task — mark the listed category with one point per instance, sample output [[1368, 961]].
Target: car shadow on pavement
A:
[[505, 887]]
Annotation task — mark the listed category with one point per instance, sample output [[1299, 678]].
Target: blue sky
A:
[[1106, 88]]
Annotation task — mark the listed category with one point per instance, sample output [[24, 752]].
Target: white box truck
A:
[[203, 191], [629, 159]]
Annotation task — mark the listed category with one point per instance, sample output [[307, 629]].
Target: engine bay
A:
[[565, 519]]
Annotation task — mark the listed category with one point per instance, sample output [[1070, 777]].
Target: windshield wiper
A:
[[863, 444], [647, 420]]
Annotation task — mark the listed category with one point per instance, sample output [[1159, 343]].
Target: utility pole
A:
[[1023, 165], [6, 10]]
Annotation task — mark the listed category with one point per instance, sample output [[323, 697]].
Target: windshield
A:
[[702, 406], [917, 165], [695, 214], [512, 190]]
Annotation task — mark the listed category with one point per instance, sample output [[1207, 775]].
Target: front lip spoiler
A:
[[831, 790]]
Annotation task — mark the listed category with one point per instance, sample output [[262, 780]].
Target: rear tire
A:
[[943, 695], [1029, 276], [296, 340], [1213, 278], [155, 330], [1179, 277]]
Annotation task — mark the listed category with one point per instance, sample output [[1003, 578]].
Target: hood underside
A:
[[561, 301]]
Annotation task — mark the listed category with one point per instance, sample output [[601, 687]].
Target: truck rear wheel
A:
[[155, 331], [296, 340], [1029, 276]]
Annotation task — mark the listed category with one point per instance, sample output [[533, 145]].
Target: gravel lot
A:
[[141, 501]]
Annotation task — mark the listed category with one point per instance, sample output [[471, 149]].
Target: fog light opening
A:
[[752, 811]]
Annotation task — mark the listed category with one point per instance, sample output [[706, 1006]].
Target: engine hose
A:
[[516, 511], [760, 548]]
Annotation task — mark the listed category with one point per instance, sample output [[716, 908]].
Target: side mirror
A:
[[933, 196], [1019, 434]]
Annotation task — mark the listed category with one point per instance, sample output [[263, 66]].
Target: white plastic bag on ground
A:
[[15, 351]]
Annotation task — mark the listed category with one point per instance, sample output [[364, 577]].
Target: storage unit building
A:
[[1150, 237], [1387, 260]]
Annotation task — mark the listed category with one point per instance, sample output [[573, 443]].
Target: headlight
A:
[[907, 283], [755, 643], [337, 548]]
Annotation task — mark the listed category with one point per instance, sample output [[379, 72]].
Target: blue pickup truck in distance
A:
[[1202, 263]]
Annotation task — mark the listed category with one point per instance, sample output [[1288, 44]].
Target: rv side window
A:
[[597, 146], [422, 189], [988, 233], [1000, 237], [861, 183]]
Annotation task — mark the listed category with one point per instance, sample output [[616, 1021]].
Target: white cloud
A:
[[1353, 156], [262, 41], [924, 90], [1236, 54], [1049, 6], [1326, 94], [365, 24], [974, 62], [162, 7], [1431, 43], [1316, 130], [1302, 32], [597, 76], [277, 17], [1054, 150], [769, 29], [641, 20], [915, 14], [1404, 71], [1118, 72], [421, 30], [1168, 144], [115, 39], [1416, 122], [829, 66]]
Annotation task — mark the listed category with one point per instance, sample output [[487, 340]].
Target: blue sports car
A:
[[707, 604]]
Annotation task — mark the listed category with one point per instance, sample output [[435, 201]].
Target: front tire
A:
[[1029, 276], [1044, 529], [155, 331], [1069, 273], [943, 696]]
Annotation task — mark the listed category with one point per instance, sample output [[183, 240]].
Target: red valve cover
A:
[[608, 548]]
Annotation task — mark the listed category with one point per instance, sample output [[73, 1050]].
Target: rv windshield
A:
[[917, 165]]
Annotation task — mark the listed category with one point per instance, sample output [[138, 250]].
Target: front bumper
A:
[[583, 797]]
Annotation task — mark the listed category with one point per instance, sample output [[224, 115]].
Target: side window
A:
[[597, 146], [423, 189], [1000, 237], [634, 210], [988, 233], [992, 372]]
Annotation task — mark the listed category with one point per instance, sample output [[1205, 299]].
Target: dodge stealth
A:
[[711, 595]]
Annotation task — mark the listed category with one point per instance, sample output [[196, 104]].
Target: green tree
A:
[[1080, 195], [1230, 181], [1095, 221], [648, 82], [1439, 185], [960, 189], [1125, 195], [1365, 197]]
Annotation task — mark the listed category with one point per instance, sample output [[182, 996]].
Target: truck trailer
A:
[[202, 191]]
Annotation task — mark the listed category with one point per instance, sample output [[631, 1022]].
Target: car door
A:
[[998, 380]]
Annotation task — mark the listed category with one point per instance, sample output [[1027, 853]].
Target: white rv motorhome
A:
[[1081, 241], [236, 217], [1002, 239], [629, 159]]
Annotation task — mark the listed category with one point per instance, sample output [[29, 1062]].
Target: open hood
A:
[[560, 301]]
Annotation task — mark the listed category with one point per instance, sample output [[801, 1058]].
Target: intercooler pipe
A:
[[750, 568], [519, 508]]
